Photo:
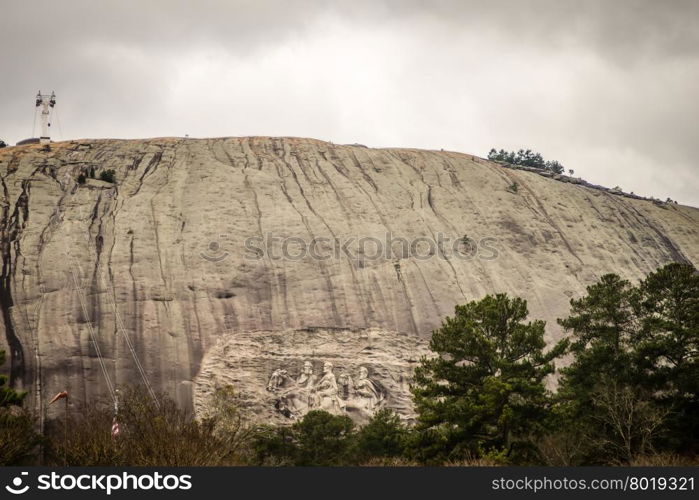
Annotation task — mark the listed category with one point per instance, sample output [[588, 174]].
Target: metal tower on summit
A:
[[47, 102]]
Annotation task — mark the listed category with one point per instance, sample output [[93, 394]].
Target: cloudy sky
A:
[[608, 88]]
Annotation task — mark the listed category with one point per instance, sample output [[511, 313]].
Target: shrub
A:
[[384, 436], [431, 446], [663, 460], [8, 396], [319, 439], [323, 439], [108, 175], [89, 441], [274, 446], [151, 435], [554, 167], [230, 425], [18, 438]]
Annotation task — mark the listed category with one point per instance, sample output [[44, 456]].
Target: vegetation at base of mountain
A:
[[8, 396]]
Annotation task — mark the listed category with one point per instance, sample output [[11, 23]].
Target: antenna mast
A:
[[46, 102]]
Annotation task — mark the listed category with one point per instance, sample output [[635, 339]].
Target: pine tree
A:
[[633, 382], [108, 175], [484, 392], [383, 436], [604, 325], [668, 351], [323, 439]]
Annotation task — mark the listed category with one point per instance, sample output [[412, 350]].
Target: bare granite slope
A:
[[168, 265]]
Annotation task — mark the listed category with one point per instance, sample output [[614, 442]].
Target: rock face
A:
[[256, 261]]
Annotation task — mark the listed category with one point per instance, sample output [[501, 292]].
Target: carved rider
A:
[[345, 386], [307, 379], [295, 397], [277, 380], [366, 390], [326, 391]]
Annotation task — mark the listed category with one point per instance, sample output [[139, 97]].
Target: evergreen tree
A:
[[599, 387], [529, 158], [323, 439], [18, 437], [501, 155], [526, 158], [384, 436], [634, 378], [604, 325], [555, 167], [108, 175], [668, 351], [273, 445], [484, 391]]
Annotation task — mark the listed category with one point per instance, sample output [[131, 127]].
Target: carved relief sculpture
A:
[[294, 398], [367, 393], [326, 391]]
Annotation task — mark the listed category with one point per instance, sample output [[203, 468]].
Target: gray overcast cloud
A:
[[608, 88]]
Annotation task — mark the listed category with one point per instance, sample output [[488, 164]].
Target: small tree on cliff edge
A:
[[484, 392]]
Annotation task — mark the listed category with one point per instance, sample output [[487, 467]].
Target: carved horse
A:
[[280, 379]]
